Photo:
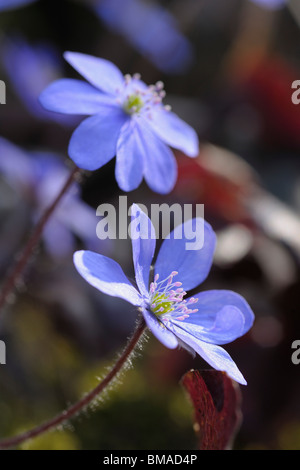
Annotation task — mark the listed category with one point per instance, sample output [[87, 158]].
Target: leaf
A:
[[217, 402]]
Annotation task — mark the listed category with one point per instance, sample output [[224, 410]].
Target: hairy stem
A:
[[86, 400], [19, 267]]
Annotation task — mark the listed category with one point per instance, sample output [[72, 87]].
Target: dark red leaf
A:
[[217, 402]]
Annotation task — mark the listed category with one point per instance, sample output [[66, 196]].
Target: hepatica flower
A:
[[38, 177], [30, 68], [201, 323], [127, 120]]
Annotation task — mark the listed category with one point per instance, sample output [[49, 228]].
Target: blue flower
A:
[[201, 323], [10, 4], [30, 69], [151, 29], [38, 177], [127, 119]]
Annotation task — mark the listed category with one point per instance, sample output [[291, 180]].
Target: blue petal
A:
[[192, 265], [143, 247], [10, 4], [165, 336], [106, 275], [16, 166], [211, 303], [80, 218], [71, 96], [58, 239], [174, 131], [151, 29], [160, 168], [101, 73], [129, 164], [227, 325], [214, 355], [94, 141], [30, 69]]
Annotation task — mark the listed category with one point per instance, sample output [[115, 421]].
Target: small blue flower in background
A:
[[11, 4], [38, 177], [30, 69], [128, 120], [271, 4], [151, 29], [201, 323]]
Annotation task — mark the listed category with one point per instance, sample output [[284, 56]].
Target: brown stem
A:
[[18, 269], [85, 401]]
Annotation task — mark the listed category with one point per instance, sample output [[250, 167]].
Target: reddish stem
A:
[[19, 267], [85, 401]]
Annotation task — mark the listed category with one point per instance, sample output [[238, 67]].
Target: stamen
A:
[[137, 99], [152, 288], [166, 299], [159, 85]]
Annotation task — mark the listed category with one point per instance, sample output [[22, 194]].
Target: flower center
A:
[[136, 96], [161, 304], [133, 104], [166, 299]]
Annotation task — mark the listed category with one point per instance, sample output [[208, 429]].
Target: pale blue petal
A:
[[30, 69], [160, 167], [101, 73], [94, 141], [192, 265], [228, 325], [80, 218], [58, 239], [143, 247], [165, 336], [214, 355], [129, 163], [211, 302], [71, 96], [173, 131], [106, 275]]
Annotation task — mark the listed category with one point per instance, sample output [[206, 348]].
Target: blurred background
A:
[[228, 68]]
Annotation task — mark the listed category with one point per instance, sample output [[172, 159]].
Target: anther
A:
[[159, 85]]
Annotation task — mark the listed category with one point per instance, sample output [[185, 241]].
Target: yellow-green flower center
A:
[[166, 299], [161, 305], [133, 104]]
